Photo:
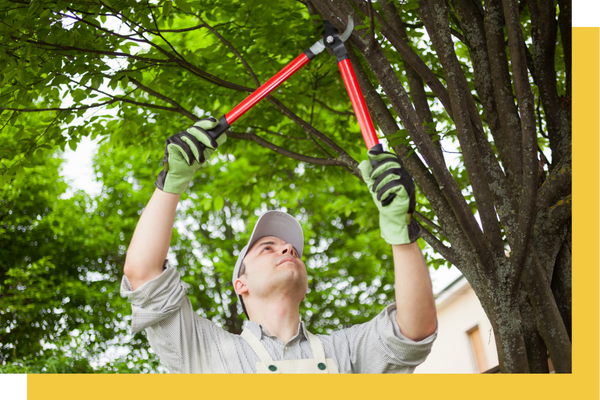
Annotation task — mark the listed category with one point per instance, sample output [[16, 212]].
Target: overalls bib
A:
[[317, 365]]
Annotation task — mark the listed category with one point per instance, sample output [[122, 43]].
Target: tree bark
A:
[[536, 349], [549, 321]]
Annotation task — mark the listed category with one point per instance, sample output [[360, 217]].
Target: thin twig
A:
[[8, 120], [350, 113], [282, 151], [103, 52], [447, 252], [146, 89], [429, 222], [160, 34], [539, 116], [36, 140], [371, 26], [278, 133], [457, 34], [58, 108], [112, 33], [234, 51], [312, 110]]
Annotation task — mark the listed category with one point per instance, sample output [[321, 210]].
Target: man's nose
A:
[[287, 248]]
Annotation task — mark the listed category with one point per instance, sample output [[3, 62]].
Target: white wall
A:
[[459, 310]]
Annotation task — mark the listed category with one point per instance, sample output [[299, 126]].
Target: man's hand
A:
[[185, 153], [394, 193]]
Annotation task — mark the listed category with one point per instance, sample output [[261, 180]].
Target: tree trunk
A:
[[508, 329], [537, 355]]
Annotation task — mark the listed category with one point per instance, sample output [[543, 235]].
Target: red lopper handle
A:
[[358, 103], [267, 88], [226, 120]]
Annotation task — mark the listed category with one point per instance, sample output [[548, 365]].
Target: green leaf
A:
[[167, 8], [246, 199], [73, 144], [146, 155], [39, 154], [410, 6], [218, 203], [184, 5], [133, 127]]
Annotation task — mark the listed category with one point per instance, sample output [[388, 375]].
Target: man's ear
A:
[[240, 287]]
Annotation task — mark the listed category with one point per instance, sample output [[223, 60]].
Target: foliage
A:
[[62, 264]]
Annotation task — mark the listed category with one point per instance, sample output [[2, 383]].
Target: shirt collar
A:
[[259, 331]]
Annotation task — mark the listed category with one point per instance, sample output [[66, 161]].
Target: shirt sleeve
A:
[[379, 347], [185, 342]]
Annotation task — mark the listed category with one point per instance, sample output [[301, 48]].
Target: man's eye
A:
[[265, 248]]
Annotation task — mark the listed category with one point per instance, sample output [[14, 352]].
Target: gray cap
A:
[[271, 223]]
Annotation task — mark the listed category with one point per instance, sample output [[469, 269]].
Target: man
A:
[[270, 280]]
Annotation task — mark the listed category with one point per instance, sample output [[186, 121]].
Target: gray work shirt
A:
[[188, 343]]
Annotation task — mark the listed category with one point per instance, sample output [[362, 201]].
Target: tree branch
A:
[[550, 323], [429, 222], [557, 185], [103, 52], [503, 92], [279, 133], [544, 35], [447, 252], [343, 156], [526, 103], [564, 22], [59, 108], [280, 150], [403, 107], [434, 15], [457, 35], [415, 83], [178, 107], [325, 106], [234, 51], [407, 53], [424, 179], [471, 17]]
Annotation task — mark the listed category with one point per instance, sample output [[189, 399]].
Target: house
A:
[[465, 342]]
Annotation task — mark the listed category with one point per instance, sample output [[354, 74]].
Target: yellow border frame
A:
[[582, 383]]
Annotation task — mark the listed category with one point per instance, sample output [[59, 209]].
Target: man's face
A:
[[274, 267]]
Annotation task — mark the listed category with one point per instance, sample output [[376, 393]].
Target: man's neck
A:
[[278, 318]]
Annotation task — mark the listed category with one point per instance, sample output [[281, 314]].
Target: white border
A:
[[586, 13], [14, 386]]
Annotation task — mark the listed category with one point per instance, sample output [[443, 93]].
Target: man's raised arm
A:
[[185, 153], [415, 305], [151, 240], [394, 194]]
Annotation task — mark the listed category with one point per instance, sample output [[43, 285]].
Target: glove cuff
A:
[[400, 232], [414, 229]]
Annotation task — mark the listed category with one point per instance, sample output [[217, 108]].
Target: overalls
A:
[[317, 365]]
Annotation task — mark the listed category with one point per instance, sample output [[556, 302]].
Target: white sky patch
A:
[[78, 169]]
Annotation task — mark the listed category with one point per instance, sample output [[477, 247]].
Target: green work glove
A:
[[185, 153], [394, 193]]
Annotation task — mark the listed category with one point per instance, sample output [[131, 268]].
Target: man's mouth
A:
[[287, 259]]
